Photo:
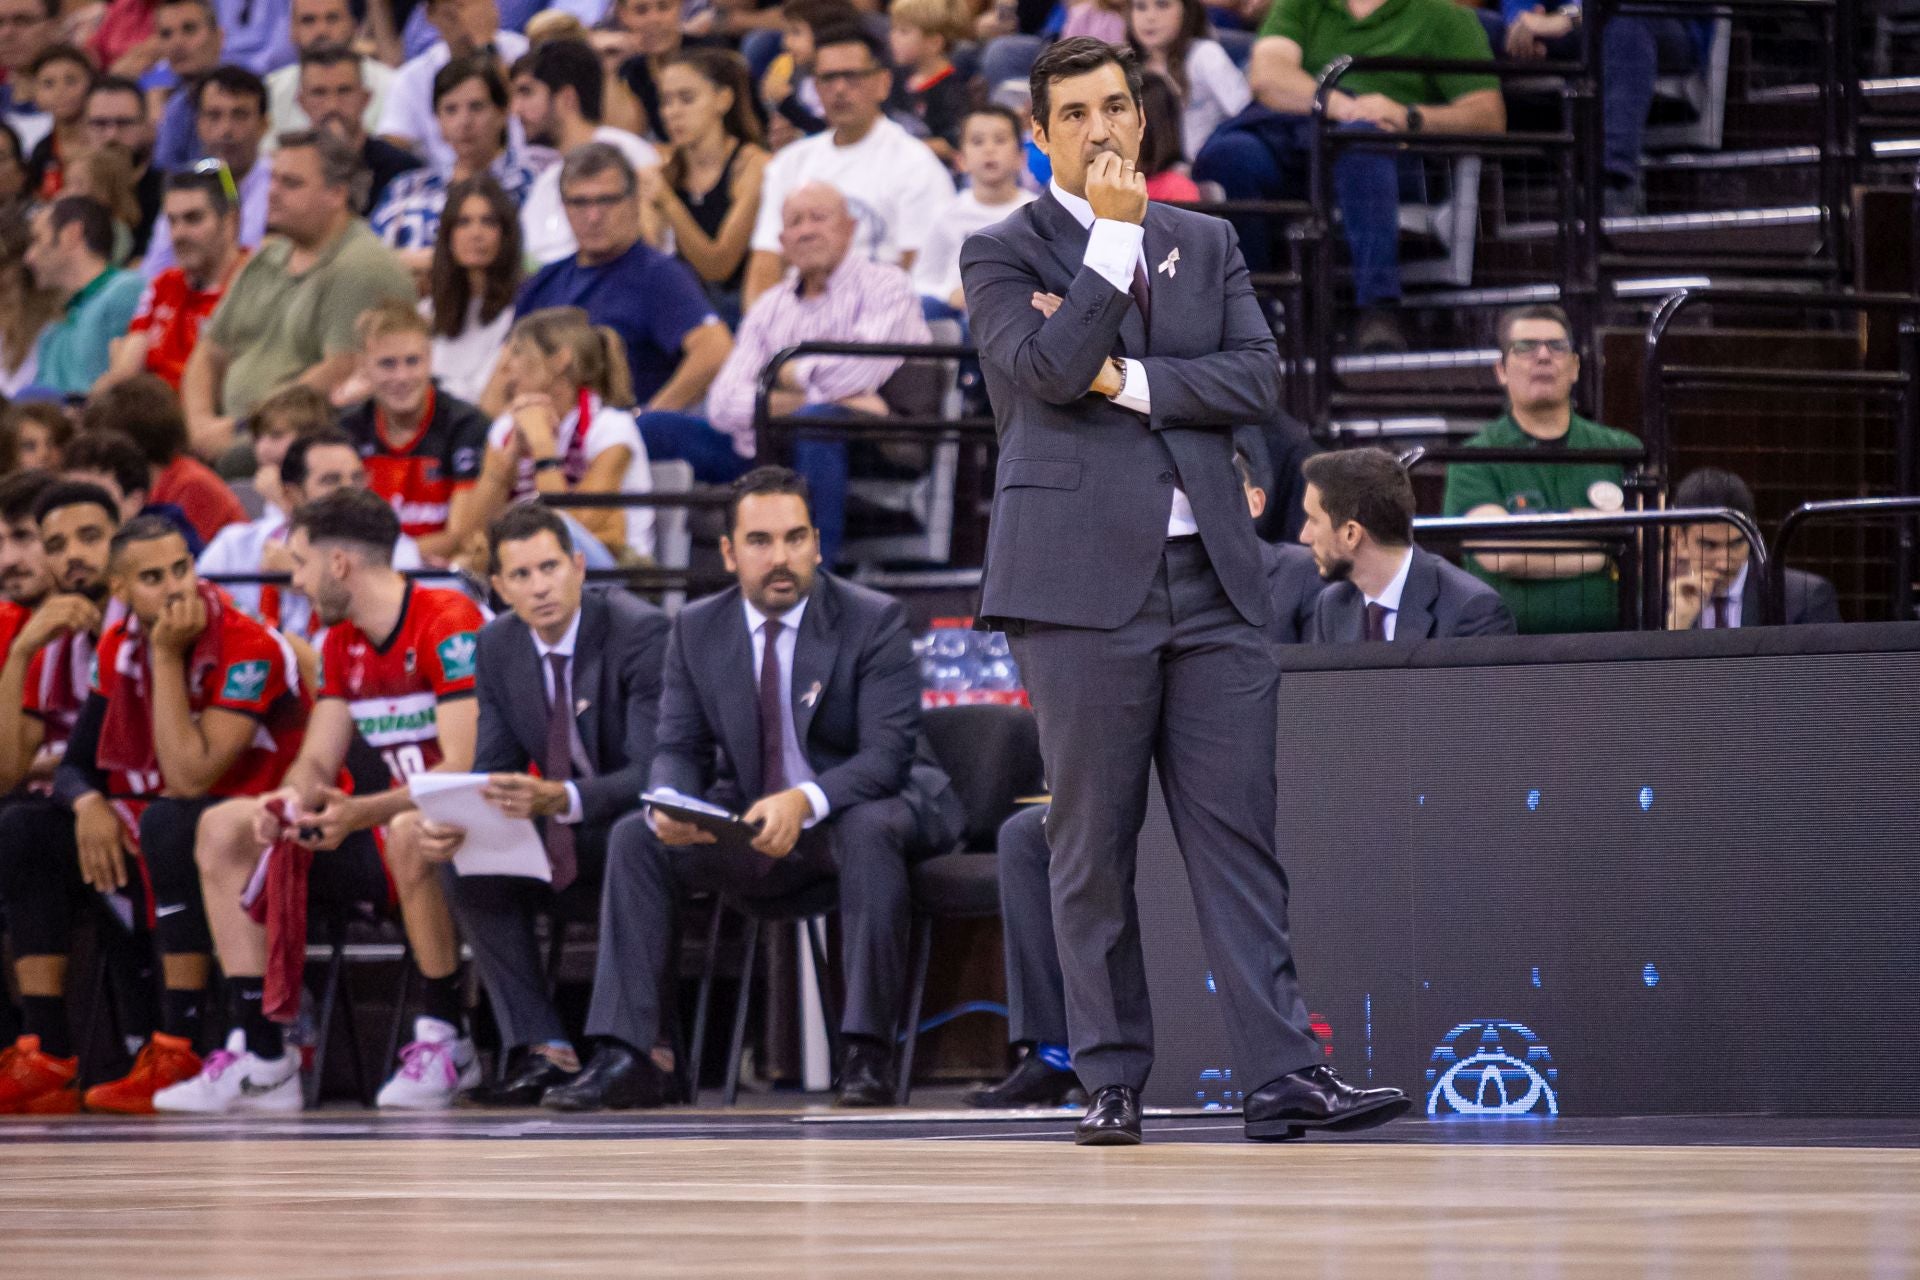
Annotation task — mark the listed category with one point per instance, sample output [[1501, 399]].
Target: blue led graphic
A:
[[1492, 1068], [1646, 799], [1216, 1091], [1533, 800], [1211, 989], [1536, 975], [1650, 975]]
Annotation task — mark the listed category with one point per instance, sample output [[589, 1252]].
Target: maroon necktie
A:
[[773, 767], [556, 765], [1139, 291], [1721, 621], [1376, 622]]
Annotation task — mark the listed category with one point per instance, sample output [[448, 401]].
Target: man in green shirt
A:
[[1264, 152], [289, 315], [70, 253], [1571, 587]]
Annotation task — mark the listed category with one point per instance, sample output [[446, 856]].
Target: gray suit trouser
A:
[[1036, 1005], [1187, 686], [864, 846]]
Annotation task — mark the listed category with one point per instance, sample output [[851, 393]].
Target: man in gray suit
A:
[[1712, 588], [1360, 529], [794, 696], [1124, 569], [568, 682]]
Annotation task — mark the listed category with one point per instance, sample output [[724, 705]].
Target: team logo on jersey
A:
[[457, 654], [466, 460], [408, 663], [245, 681]]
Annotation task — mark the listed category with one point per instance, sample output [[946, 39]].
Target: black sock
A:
[[46, 1017], [246, 1001], [440, 998], [180, 1014]]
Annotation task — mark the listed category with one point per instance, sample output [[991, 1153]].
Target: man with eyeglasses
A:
[[558, 91], [233, 121], [891, 180], [116, 116], [1569, 586], [27, 27]]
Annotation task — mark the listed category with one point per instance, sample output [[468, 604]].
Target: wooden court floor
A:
[[325, 1207]]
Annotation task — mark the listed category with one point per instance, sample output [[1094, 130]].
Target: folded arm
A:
[[1054, 357]]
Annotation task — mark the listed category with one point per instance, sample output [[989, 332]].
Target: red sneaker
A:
[[165, 1060], [37, 1083]]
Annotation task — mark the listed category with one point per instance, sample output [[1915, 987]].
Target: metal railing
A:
[[1899, 511], [774, 429]]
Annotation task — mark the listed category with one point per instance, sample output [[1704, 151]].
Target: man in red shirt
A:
[[397, 667], [206, 246]]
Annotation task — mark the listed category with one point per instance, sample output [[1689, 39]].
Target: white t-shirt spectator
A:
[[607, 428], [409, 111], [890, 179], [464, 366], [283, 100], [545, 233], [936, 272], [1216, 92]]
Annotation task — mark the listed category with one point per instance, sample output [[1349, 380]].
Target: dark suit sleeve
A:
[[887, 694], [495, 749], [643, 645], [1054, 358], [1237, 384], [1485, 614], [684, 743], [1823, 603]]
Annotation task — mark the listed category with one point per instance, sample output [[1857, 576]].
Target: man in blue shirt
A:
[[189, 38], [70, 254]]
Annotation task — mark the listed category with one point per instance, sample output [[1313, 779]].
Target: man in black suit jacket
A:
[[1712, 588], [568, 682], [1360, 529], [796, 697]]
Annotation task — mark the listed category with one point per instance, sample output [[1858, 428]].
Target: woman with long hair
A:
[[567, 428], [709, 188], [25, 312], [475, 274], [1173, 37]]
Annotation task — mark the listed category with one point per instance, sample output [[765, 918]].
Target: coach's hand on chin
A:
[[1116, 189]]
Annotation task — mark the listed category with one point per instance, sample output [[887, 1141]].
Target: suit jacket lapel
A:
[[1163, 287], [1417, 598], [589, 656], [813, 652], [738, 699], [1750, 604]]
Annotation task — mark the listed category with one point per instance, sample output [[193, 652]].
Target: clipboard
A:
[[732, 834]]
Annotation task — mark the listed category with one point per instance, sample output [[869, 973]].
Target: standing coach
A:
[[1121, 346]]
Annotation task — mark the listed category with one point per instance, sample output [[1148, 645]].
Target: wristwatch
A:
[[1119, 368], [548, 464], [1416, 121]]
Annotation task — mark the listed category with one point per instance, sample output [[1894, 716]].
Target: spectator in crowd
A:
[[654, 38], [290, 313], [316, 23], [466, 27], [557, 98], [26, 28], [570, 667], [929, 94], [111, 460], [334, 99], [568, 428], [470, 106], [122, 40], [472, 285], [1567, 587], [1712, 586], [1262, 153], [423, 447], [62, 76], [16, 187], [258, 33], [117, 120], [41, 430], [104, 175], [1173, 38], [398, 664], [831, 294], [189, 37], [148, 411], [675, 344], [25, 578], [1360, 529], [1162, 163], [832, 797], [275, 423], [71, 255], [27, 310], [233, 121], [614, 47], [788, 90], [888, 177], [203, 226], [991, 156], [708, 191]]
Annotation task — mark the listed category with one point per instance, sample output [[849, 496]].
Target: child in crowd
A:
[[1171, 37], [1161, 159], [787, 89], [991, 155], [41, 429], [929, 95]]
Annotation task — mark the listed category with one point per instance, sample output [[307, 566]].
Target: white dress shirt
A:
[[1735, 592], [564, 647], [1113, 250], [1389, 598], [799, 772]]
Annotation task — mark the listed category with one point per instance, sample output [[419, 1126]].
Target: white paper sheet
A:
[[496, 845]]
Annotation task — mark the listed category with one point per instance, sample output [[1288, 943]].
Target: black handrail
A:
[[765, 423], [1861, 510]]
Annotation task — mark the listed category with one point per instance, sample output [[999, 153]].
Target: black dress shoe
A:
[[523, 1087], [1317, 1098], [1031, 1084], [615, 1079], [1112, 1119], [866, 1075]]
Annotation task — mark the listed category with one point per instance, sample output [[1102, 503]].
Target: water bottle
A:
[[998, 671], [951, 666]]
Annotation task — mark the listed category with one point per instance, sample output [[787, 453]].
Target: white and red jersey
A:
[[394, 690], [12, 618]]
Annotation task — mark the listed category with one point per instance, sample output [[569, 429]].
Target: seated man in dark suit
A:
[[1360, 529], [1293, 579], [796, 697], [1711, 588], [569, 681]]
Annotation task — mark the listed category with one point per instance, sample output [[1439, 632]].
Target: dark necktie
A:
[[1139, 292], [1721, 618], [1376, 622], [556, 765], [773, 767]]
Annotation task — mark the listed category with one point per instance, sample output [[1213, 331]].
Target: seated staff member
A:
[[1712, 586], [569, 683], [192, 702]]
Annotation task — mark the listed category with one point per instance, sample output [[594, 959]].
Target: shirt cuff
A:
[[572, 814], [1112, 250], [1133, 393], [818, 799]]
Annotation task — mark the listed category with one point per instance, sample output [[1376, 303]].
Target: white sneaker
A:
[[433, 1069], [232, 1079]]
